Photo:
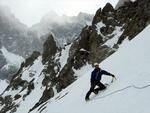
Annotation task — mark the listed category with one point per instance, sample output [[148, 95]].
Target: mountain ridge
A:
[[18, 39]]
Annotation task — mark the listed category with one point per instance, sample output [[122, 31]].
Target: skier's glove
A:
[[113, 76]]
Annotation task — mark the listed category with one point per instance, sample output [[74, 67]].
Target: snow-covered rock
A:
[[11, 58]]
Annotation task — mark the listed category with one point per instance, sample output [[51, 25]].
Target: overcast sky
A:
[[31, 11]]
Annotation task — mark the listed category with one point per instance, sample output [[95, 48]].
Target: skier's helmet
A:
[[96, 64]]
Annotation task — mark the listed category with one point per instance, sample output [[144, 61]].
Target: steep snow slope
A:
[[12, 58], [11, 65], [3, 85], [131, 66], [27, 97], [31, 73]]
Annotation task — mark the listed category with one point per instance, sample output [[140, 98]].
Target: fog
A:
[[30, 12]]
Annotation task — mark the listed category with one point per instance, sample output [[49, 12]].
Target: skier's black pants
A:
[[93, 85]]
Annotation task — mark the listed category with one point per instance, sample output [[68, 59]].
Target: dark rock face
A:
[[2, 61], [47, 94], [90, 48], [103, 14], [66, 77], [98, 16], [133, 16], [136, 17], [49, 48], [8, 101], [84, 40], [108, 8], [17, 96], [31, 59]]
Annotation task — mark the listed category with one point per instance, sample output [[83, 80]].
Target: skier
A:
[[95, 80]]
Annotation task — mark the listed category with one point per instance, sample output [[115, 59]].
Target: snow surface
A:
[[33, 98], [34, 70], [11, 58], [3, 85], [82, 49], [117, 33], [130, 64], [98, 27], [62, 57]]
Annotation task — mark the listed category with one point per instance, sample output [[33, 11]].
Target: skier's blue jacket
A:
[[97, 74]]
